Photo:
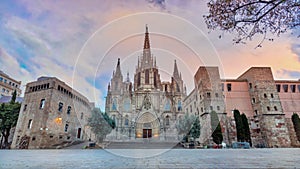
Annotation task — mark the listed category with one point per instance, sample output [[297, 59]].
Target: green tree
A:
[[296, 123], [101, 124], [14, 97], [184, 125], [216, 128], [9, 114], [239, 125], [246, 129], [195, 130], [242, 127], [247, 18]]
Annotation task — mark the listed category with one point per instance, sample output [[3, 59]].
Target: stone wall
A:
[[293, 136], [44, 124]]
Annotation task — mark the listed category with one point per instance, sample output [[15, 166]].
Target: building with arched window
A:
[[148, 107]]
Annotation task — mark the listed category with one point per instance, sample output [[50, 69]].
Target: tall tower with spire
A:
[[146, 75], [177, 82], [148, 108]]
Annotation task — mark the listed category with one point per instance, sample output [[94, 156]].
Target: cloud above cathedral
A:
[[79, 42]]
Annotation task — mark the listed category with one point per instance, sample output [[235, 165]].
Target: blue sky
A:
[[79, 42]]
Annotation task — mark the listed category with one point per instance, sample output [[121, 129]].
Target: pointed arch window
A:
[[126, 104], [114, 117], [114, 105], [179, 105], [147, 76], [177, 87], [167, 105], [139, 79], [167, 120], [126, 121], [116, 85], [155, 84]]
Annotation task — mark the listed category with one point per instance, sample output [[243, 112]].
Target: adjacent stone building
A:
[[52, 115], [148, 107], [8, 85], [267, 103]]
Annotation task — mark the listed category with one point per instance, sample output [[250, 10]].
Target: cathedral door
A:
[[147, 133]]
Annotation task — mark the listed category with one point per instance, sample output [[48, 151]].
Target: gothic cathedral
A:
[[148, 108]]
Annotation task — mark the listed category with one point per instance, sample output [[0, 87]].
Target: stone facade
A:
[[8, 85], [52, 115], [267, 103], [148, 107]]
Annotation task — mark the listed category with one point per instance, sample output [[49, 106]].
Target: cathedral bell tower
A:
[[146, 75]]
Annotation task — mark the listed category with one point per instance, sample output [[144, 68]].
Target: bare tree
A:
[[247, 18]]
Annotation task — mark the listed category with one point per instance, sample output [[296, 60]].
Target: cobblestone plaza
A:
[[173, 158]]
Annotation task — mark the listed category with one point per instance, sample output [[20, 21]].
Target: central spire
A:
[[147, 60], [147, 42]]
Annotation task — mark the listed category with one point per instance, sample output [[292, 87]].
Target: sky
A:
[[79, 42]]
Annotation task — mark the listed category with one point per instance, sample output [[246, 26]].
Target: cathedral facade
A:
[[148, 107]]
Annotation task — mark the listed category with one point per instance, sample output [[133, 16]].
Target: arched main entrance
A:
[[147, 126]]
